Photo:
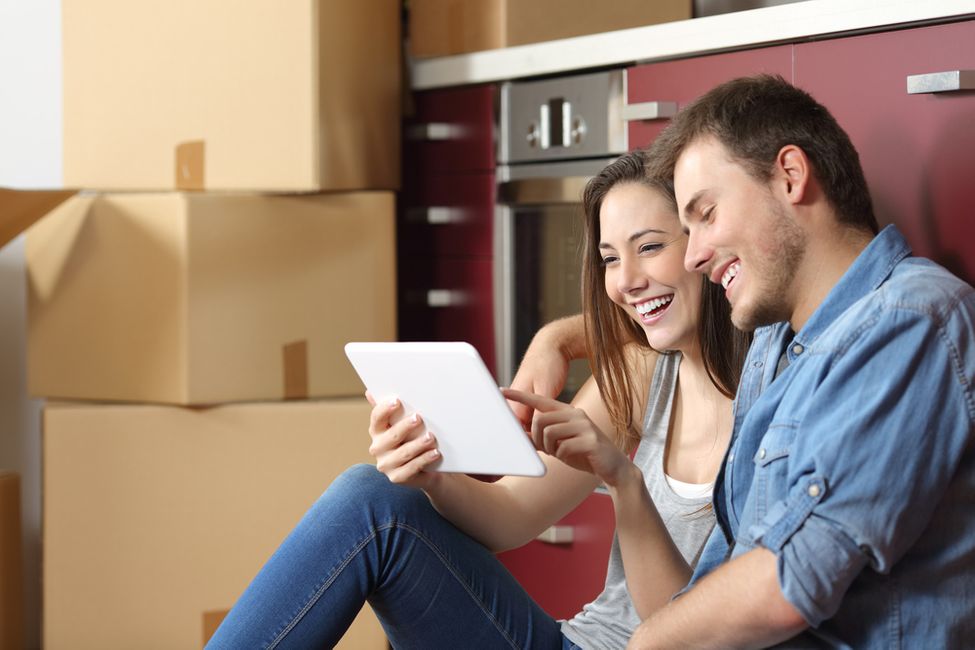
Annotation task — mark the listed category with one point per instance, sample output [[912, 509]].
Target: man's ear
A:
[[793, 170]]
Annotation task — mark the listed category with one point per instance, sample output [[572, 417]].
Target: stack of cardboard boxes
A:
[[187, 320]]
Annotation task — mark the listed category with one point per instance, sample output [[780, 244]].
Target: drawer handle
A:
[[437, 215], [447, 298], [556, 535], [649, 111], [941, 82], [435, 132]]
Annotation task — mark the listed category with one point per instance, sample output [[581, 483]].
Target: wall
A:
[[30, 156]]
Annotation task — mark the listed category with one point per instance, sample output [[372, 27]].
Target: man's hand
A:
[[545, 366]]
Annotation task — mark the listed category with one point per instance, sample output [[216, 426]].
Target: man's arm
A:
[[545, 366], [738, 605]]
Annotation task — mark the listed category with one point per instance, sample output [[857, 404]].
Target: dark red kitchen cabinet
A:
[[451, 130], [684, 80], [448, 215], [564, 577], [444, 299], [917, 151]]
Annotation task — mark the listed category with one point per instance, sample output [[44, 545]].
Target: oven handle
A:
[[549, 190]]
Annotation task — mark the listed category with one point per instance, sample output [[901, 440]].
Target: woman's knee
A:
[[364, 485]]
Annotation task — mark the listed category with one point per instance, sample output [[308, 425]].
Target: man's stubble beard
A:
[[772, 277]]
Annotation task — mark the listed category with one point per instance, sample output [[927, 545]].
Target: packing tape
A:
[[296, 370], [190, 160], [211, 621]]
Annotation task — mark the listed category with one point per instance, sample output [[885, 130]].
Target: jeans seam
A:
[[356, 550], [323, 588]]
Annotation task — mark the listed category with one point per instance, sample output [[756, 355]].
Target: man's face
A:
[[740, 234]]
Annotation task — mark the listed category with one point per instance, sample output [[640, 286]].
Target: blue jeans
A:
[[431, 585]]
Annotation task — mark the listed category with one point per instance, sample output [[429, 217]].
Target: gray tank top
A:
[[608, 622]]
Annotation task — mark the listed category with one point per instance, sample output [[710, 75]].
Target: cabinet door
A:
[[452, 130], [445, 299], [917, 151], [682, 81], [562, 578], [448, 215]]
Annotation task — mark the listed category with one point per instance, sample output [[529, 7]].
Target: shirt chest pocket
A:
[[772, 465]]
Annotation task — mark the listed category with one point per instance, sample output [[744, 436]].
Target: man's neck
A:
[[831, 250]]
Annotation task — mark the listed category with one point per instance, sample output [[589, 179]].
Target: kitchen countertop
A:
[[785, 23]]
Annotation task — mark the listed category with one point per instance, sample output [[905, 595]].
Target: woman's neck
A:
[[700, 425]]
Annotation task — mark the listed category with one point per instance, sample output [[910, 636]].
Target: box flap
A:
[[19, 209]]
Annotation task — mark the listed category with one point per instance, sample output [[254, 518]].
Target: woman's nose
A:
[[631, 278]]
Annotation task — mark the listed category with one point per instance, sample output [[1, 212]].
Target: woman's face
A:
[[642, 247]]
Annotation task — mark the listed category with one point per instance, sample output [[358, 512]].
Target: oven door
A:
[[539, 237]]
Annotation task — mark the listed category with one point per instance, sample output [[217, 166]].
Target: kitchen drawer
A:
[[564, 577], [917, 150], [449, 215], [448, 300], [679, 82], [452, 130]]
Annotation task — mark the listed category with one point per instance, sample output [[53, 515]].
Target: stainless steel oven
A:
[[554, 135]]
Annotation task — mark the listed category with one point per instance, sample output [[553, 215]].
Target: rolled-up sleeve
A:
[[883, 424]]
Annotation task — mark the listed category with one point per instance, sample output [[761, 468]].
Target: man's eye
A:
[[708, 214]]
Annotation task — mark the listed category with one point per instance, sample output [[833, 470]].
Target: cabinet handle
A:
[[556, 535], [649, 111], [436, 215], [447, 298], [941, 82], [435, 132]]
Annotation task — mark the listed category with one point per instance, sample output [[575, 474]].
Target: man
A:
[[846, 504]]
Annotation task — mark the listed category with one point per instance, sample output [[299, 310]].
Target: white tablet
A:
[[450, 387]]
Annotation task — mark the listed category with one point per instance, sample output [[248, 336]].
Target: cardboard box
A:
[[155, 516], [302, 95], [444, 27], [188, 298], [12, 631], [20, 209]]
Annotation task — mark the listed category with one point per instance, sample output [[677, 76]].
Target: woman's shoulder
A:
[[641, 364]]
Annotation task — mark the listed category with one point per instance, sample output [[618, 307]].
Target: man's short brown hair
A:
[[753, 118]]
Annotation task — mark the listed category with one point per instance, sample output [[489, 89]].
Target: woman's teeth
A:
[[730, 274], [649, 306]]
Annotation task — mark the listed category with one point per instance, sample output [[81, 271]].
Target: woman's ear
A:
[[793, 170]]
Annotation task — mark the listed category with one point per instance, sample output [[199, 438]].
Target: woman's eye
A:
[[609, 259], [650, 248]]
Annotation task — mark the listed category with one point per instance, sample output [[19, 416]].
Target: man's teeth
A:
[[653, 305], [730, 274]]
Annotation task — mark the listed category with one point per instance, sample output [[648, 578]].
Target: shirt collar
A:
[[869, 270]]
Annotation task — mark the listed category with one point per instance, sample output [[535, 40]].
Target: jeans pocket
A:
[[772, 466]]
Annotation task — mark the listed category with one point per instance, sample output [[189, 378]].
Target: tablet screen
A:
[[449, 385]]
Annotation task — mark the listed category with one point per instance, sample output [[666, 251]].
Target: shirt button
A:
[[813, 490], [761, 453], [757, 364], [797, 349], [731, 457]]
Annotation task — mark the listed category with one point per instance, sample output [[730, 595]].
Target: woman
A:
[[424, 558]]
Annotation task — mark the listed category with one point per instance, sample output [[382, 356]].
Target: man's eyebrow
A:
[[691, 206], [635, 236]]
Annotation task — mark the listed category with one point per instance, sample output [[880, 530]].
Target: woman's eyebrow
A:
[[635, 236]]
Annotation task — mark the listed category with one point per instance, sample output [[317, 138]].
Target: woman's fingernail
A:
[[414, 418], [393, 403], [428, 436], [433, 453]]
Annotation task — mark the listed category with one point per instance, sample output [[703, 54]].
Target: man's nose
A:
[[698, 256]]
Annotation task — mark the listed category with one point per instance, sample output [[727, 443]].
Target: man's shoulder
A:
[[917, 284]]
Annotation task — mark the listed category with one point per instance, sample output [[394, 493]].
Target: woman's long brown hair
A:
[[609, 329]]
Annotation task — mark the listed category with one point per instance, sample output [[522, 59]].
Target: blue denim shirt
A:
[[855, 466]]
